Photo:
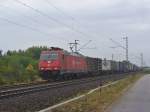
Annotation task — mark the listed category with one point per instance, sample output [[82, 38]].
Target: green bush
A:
[[2, 81], [14, 65]]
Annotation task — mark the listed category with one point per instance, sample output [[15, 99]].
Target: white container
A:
[[106, 65]]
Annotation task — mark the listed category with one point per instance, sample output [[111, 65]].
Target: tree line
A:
[[20, 66]]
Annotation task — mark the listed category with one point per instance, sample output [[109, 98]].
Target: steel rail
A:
[[36, 88], [7, 87]]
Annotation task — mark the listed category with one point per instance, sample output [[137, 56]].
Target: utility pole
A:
[[112, 57], [71, 46], [142, 61], [127, 48], [120, 57], [74, 45]]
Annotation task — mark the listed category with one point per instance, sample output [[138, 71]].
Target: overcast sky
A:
[[66, 20]]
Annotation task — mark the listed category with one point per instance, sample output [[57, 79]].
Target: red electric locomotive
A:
[[57, 62]]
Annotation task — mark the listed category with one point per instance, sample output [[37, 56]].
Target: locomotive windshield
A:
[[51, 56]]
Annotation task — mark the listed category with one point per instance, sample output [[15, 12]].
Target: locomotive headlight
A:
[[55, 68], [49, 61]]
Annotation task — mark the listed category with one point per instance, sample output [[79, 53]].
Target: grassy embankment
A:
[[146, 71], [99, 101]]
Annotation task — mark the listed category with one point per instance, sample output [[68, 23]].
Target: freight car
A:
[[94, 65], [59, 63], [110, 67]]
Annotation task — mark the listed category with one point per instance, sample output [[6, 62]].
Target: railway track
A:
[[15, 86], [30, 88], [35, 98]]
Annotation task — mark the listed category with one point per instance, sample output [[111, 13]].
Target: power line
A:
[[85, 45], [49, 17], [21, 25], [125, 48], [117, 43], [61, 11], [65, 14], [142, 61], [25, 26], [23, 15]]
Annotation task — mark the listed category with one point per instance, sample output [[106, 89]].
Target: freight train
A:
[[58, 63]]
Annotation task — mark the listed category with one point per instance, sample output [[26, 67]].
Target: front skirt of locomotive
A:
[[46, 75]]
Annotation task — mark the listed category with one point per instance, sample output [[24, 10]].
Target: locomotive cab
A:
[[50, 63]]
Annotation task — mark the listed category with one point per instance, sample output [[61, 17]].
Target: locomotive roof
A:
[[73, 53], [64, 51]]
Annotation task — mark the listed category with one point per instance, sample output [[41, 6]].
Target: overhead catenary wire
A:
[[126, 48], [62, 12], [85, 45], [27, 27], [32, 19], [44, 14], [21, 25], [29, 18], [118, 44], [25, 16], [73, 19], [51, 18], [34, 29], [140, 58]]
